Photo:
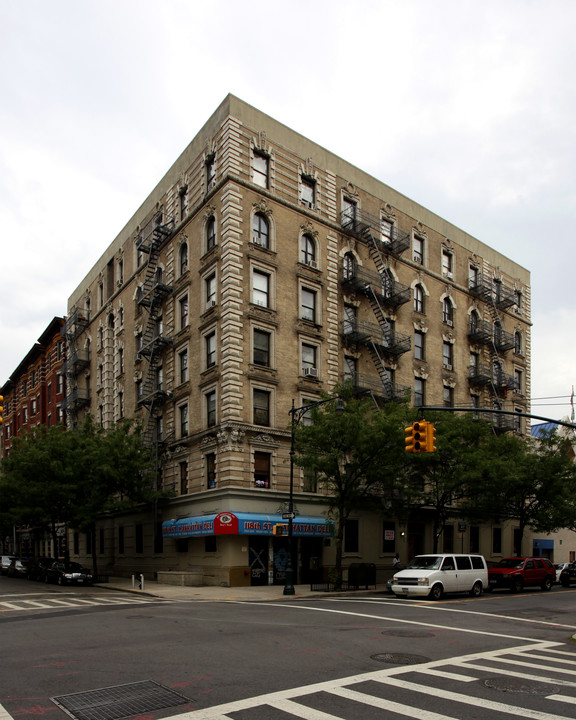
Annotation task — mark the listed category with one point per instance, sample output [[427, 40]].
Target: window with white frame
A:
[[447, 355], [210, 343], [473, 277], [349, 266], [210, 233], [447, 312], [183, 411], [183, 365], [183, 307], [260, 288], [262, 469], [419, 391], [210, 290], [309, 361], [308, 250], [210, 172], [308, 304], [261, 348], [350, 316], [448, 396], [261, 230], [210, 400], [518, 343], [418, 298], [350, 369], [183, 258], [418, 249], [260, 170], [447, 264], [419, 345], [518, 381], [348, 213], [386, 228], [308, 188]]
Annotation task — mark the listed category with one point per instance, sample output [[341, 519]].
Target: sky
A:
[[466, 107]]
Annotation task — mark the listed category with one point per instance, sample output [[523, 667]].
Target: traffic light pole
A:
[[477, 410]]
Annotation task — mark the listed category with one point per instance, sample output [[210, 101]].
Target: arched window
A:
[[308, 250], [447, 311], [418, 298], [210, 233], [474, 321], [183, 258], [349, 266], [517, 343], [261, 230]]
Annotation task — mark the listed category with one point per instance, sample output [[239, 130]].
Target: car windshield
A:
[[74, 567], [425, 562], [511, 563]]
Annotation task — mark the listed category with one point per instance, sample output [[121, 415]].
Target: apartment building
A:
[[260, 271]]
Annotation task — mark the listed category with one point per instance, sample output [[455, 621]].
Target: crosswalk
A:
[[535, 680], [45, 602]]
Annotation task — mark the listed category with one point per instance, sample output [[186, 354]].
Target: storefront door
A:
[[258, 558]]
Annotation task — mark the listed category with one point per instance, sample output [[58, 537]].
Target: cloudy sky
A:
[[466, 107]]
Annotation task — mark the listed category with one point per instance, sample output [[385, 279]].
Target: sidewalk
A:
[[260, 593]]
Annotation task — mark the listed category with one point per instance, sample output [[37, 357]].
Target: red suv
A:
[[516, 572]]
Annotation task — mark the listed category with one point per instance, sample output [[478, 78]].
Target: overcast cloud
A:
[[465, 107]]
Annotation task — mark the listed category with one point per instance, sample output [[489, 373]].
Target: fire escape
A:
[[76, 361], [155, 339], [496, 297], [384, 294]]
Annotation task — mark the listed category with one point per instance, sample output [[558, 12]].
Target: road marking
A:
[[448, 675]]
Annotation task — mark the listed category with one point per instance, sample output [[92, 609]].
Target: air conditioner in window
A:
[[258, 241], [449, 322], [210, 303], [447, 366], [312, 264], [448, 274], [418, 259], [310, 372]]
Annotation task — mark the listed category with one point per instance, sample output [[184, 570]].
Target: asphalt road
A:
[[369, 656]]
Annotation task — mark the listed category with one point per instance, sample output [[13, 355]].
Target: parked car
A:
[[516, 573], [18, 568], [568, 575], [559, 567], [441, 573], [37, 568], [68, 574], [5, 561]]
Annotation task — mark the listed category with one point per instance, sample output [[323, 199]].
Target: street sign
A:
[[288, 516]]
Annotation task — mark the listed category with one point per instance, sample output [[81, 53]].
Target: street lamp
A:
[[297, 413]]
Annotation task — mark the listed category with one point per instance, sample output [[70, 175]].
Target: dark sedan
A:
[[68, 574], [37, 568], [568, 575], [18, 568]]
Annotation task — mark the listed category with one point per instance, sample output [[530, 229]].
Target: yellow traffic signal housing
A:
[[1, 409], [280, 530], [409, 441], [430, 438], [420, 437]]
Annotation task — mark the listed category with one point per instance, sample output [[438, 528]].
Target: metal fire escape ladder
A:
[[387, 337], [154, 339], [76, 360]]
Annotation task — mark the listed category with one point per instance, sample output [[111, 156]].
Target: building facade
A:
[[261, 271]]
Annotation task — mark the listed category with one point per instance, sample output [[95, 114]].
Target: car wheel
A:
[[476, 590], [437, 592], [547, 584], [517, 585]]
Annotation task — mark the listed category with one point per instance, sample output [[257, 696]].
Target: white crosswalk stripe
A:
[[53, 603], [427, 681]]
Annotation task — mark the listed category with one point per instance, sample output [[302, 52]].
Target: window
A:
[[183, 363], [518, 301], [518, 420], [260, 170], [418, 299], [120, 272], [349, 266], [474, 321], [351, 544], [385, 231], [211, 408], [447, 262], [183, 258], [159, 429], [210, 172], [447, 312], [350, 368], [260, 230], [350, 315], [474, 364], [308, 192], [210, 233], [261, 407], [447, 355], [121, 404], [308, 309], [183, 410], [308, 251], [418, 250], [473, 277], [309, 367], [210, 341], [183, 197], [211, 470], [518, 384], [388, 536], [60, 384], [210, 286], [348, 214], [419, 391], [183, 304], [261, 288], [262, 469], [159, 379], [261, 349], [448, 396], [496, 541], [517, 343], [139, 390], [100, 294], [419, 344], [183, 478]]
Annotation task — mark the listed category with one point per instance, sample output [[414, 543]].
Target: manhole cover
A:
[[400, 658], [408, 633], [513, 685], [119, 701]]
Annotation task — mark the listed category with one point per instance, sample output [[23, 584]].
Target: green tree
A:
[[54, 476], [357, 455]]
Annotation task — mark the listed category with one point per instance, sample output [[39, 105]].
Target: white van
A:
[[434, 575]]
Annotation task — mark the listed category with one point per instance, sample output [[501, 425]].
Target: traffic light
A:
[[430, 438], [1, 409], [280, 530], [420, 437], [409, 432]]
